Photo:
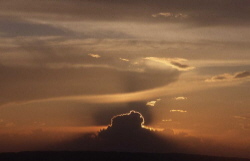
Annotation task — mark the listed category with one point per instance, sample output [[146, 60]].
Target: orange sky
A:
[[73, 65]]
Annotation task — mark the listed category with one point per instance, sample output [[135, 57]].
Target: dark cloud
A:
[[242, 74], [130, 121], [15, 27], [181, 66], [126, 133], [230, 77], [103, 114]]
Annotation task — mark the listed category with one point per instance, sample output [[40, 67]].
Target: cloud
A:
[[94, 55], [182, 111], [170, 15], [152, 103], [180, 98], [20, 27], [202, 12], [168, 120], [176, 63], [127, 133], [244, 75], [127, 121], [240, 117], [123, 59], [92, 77]]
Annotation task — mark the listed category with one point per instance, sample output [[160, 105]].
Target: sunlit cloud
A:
[[176, 63], [230, 77], [170, 15], [182, 111], [94, 55], [123, 59], [152, 103], [180, 98]]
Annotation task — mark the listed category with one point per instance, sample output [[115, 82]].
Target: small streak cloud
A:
[[169, 15], [94, 55], [180, 98], [182, 111], [123, 59], [240, 117], [167, 120]]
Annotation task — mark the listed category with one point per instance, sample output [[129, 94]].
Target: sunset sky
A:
[[68, 66]]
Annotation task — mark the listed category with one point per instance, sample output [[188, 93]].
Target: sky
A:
[[177, 72]]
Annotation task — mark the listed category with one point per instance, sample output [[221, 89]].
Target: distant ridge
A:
[[108, 156]]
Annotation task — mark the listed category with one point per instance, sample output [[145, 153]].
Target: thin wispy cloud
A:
[[176, 63], [181, 111], [170, 15], [240, 117]]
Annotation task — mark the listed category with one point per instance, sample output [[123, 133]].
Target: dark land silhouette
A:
[[107, 156]]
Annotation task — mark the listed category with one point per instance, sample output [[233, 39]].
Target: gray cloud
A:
[[242, 74], [17, 27], [230, 77]]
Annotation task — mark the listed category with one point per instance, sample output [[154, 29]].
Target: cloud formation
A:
[[244, 75]]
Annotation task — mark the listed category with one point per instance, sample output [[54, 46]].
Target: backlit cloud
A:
[[244, 75], [128, 121], [176, 63]]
